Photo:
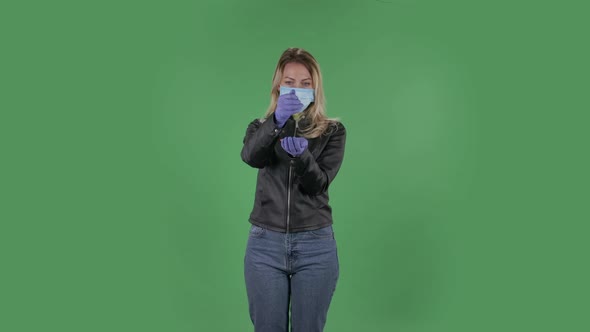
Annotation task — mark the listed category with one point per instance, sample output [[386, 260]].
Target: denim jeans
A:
[[301, 268]]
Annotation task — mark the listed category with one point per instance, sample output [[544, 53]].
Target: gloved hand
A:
[[287, 105], [294, 145]]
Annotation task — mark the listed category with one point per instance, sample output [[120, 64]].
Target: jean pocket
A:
[[256, 231], [324, 232]]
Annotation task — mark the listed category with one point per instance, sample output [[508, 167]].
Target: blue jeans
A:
[[301, 268]]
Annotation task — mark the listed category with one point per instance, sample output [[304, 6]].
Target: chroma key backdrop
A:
[[461, 204]]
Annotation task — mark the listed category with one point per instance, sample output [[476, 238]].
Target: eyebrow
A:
[[305, 79]]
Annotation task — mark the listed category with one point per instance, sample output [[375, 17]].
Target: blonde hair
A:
[[318, 122]]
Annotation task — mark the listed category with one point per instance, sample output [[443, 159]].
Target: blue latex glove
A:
[[294, 145], [287, 105]]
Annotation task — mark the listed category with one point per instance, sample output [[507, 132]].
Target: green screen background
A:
[[461, 204]]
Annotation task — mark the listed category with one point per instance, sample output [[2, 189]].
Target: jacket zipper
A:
[[289, 194], [290, 182]]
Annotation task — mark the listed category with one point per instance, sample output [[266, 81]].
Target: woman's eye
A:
[[307, 84]]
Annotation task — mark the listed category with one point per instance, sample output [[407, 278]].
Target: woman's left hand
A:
[[294, 146]]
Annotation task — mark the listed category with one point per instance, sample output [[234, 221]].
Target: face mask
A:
[[306, 96]]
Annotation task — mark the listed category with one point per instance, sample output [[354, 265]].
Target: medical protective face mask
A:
[[306, 96]]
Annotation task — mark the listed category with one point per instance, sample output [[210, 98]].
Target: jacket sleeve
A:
[[316, 175], [258, 142]]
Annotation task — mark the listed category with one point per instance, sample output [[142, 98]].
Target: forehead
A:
[[296, 70]]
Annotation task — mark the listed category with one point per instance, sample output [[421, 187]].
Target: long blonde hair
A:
[[318, 122]]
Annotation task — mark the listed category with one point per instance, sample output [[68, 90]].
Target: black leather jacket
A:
[[292, 192]]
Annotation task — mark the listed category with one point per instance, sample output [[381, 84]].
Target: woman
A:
[[291, 253]]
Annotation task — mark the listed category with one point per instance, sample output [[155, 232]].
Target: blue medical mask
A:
[[305, 96]]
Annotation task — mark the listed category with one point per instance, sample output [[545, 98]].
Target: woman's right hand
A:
[[287, 105]]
